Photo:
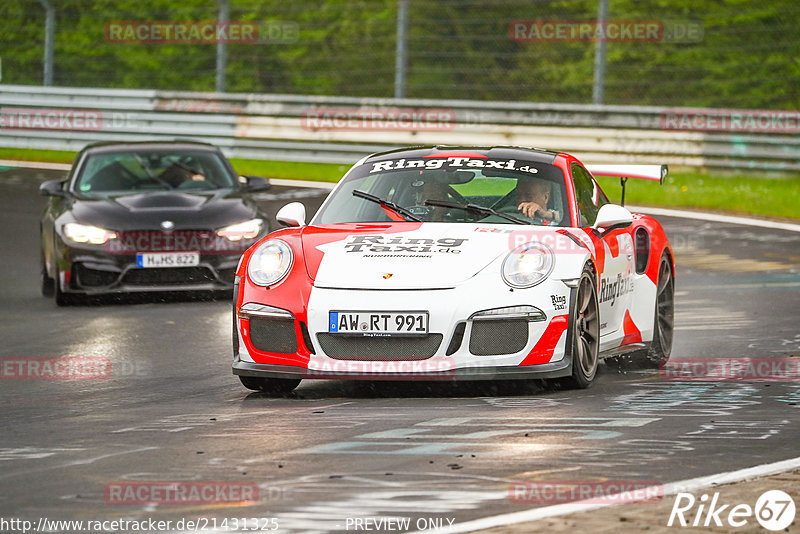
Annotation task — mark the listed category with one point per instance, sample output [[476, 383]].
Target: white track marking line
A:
[[671, 488], [35, 165], [302, 183], [714, 217]]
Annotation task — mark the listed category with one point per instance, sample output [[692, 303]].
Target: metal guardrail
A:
[[300, 128]]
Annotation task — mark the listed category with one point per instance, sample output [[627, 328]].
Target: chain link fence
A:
[[732, 54]]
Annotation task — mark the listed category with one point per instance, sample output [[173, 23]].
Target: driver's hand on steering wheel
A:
[[532, 209], [529, 209], [198, 178]]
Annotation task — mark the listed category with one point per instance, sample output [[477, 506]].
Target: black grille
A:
[[94, 277], [458, 337], [168, 276], [502, 336], [273, 335], [227, 275], [396, 348]]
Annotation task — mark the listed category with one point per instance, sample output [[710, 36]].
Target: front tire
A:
[[585, 334], [48, 285], [62, 298], [271, 386]]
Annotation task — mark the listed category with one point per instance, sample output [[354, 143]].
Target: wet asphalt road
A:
[[335, 452]]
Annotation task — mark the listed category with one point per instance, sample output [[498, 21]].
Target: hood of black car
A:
[[147, 211]]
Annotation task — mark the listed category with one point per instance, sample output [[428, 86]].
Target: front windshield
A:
[[531, 192], [153, 170]]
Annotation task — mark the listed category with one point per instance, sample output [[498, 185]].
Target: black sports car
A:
[[147, 216]]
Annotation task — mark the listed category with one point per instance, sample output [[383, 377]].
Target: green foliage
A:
[[748, 56]]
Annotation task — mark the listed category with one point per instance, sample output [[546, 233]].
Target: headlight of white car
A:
[[270, 262], [527, 265], [84, 233], [243, 230]]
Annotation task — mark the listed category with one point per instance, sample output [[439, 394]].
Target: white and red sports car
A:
[[456, 263]]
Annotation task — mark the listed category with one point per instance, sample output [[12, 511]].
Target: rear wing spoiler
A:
[[656, 173]]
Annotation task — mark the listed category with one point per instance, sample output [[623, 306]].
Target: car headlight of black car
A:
[[84, 233], [243, 230]]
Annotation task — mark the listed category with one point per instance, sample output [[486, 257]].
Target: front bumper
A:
[[92, 270], [402, 371], [308, 350]]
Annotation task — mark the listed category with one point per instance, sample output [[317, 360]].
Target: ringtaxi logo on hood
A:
[[451, 163], [393, 244]]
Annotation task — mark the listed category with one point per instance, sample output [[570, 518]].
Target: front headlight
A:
[[83, 233], [270, 262], [527, 265], [243, 230]]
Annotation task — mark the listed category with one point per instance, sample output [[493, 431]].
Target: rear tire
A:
[[663, 325], [271, 386], [585, 334], [664, 322]]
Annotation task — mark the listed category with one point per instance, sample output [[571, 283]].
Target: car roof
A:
[[501, 152], [129, 146]]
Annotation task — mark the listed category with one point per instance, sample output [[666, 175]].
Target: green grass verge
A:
[[31, 154], [317, 172], [771, 196], [751, 194]]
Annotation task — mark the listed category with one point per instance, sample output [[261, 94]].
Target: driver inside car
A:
[[178, 173], [532, 196]]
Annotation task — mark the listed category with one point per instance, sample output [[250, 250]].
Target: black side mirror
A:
[[53, 188], [256, 183]]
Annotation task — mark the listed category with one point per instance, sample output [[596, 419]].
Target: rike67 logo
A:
[[774, 510]]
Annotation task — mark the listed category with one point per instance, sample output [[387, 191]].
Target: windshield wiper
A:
[[399, 210], [475, 208]]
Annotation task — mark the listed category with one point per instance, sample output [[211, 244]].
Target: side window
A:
[[588, 195]]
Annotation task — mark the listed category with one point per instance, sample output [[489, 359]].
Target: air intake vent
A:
[[492, 338], [273, 335], [396, 348], [642, 242]]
